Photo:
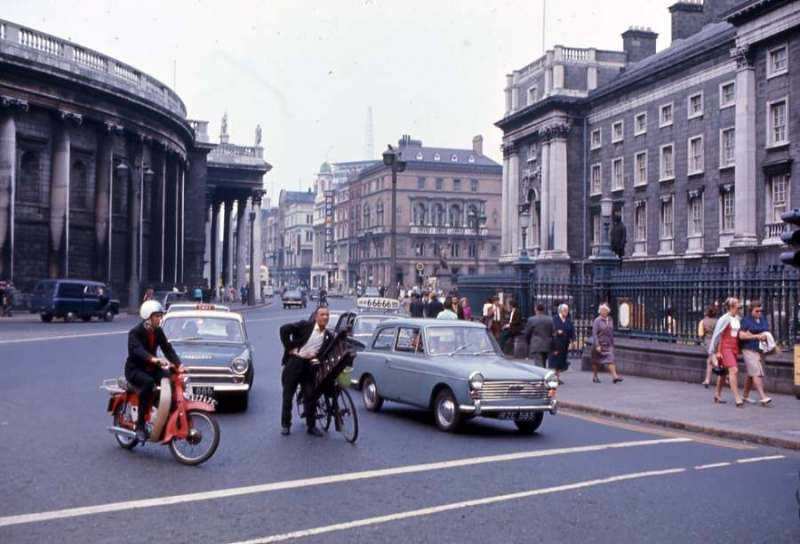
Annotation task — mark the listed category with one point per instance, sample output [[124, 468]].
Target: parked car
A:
[[455, 369], [216, 353], [294, 298], [70, 299]]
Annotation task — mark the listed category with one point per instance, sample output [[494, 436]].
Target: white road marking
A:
[[712, 465], [759, 459], [321, 480], [459, 506], [61, 337]]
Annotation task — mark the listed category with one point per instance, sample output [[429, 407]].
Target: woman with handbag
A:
[[563, 335], [724, 346], [754, 331], [603, 347]]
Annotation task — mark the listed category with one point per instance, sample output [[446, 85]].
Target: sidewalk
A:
[[684, 406]]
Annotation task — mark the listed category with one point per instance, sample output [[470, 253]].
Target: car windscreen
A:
[[212, 329], [367, 324], [292, 294], [459, 340], [372, 292]]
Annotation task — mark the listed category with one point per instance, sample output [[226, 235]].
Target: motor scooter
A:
[[183, 422]]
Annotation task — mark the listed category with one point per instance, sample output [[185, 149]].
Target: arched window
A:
[[78, 187], [366, 216], [438, 215], [473, 215], [420, 213], [29, 186], [379, 212], [455, 215]]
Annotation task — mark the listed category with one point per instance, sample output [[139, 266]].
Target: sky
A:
[[307, 71]]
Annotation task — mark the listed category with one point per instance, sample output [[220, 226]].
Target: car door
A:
[[377, 362], [406, 363], [91, 300], [70, 298]]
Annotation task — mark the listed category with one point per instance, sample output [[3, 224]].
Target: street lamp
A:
[[391, 158], [478, 219], [524, 222], [606, 209]]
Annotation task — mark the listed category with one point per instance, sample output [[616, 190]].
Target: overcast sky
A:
[[308, 70]]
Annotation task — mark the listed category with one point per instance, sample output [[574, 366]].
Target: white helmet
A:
[[149, 308]]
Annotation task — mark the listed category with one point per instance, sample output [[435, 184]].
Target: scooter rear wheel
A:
[[125, 442], [202, 441]]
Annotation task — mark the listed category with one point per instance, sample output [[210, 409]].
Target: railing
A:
[[445, 230], [2, 31], [234, 150], [40, 42], [774, 230], [532, 67], [90, 59], [574, 54]]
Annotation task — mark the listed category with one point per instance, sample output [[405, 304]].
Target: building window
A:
[[455, 249], [420, 214], [438, 215], [379, 213], [473, 249], [695, 215], [309, 236], [640, 169], [471, 159], [597, 138], [596, 226], [597, 179], [667, 163], [617, 132], [727, 147], [439, 184], [456, 184], [453, 158], [473, 185], [640, 124], [309, 219], [696, 155], [665, 115], [455, 215], [727, 211], [79, 192], [777, 198], [532, 94], [695, 105], [419, 249], [727, 94], [640, 228], [29, 187], [617, 174], [777, 61], [666, 230], [420, 156], [778, 132], [437, 157], [366, 216], [420, 183]]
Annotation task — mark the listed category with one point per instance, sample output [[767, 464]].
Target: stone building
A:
[[102, 176], [693, 144], [448, 216], [296, 224]]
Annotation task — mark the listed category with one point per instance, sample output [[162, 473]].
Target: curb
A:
[[690, 427]]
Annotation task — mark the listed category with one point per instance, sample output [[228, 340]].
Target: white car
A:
[[186, 307]]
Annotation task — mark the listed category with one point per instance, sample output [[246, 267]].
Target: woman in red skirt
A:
[[725, 346]]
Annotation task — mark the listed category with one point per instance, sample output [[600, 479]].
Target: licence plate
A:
[[518, 416], [203, 391]]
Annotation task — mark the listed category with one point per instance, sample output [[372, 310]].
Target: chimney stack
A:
[[688, 18], [639, 43], [477, 145]]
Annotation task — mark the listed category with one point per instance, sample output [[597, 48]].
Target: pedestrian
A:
[[381, 290], [454, 305], [724, 346], [563, 335], [492, 316], [149, 294], [466, 309], [511, 328], [754, 331], [417, 308], [705, 329], [603, 351], [539, 336], [434, 306], [243, 294], [448, 313]]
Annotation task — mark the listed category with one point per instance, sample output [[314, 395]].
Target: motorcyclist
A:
[[144, 369]]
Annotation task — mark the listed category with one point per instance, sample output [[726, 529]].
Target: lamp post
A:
[[391, 158], [606, 208], [478, 219], [524, 222]]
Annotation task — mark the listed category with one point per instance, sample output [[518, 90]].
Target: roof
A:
[[750, 9], [414, 152], [297, 197]]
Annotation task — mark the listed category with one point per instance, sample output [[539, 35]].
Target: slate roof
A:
[[297, 197], [414, 151]]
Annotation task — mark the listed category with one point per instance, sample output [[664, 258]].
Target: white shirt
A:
[[447, 313], [311, 347]]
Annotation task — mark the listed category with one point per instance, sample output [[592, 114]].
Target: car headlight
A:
[[551, 380], [476, 381], [239, 365]]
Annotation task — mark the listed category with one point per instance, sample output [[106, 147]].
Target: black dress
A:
[[563, 335]]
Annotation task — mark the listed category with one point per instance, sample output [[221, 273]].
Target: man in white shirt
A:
[[302, 342]]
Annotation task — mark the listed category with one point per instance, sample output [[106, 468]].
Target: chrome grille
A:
[[505, 390]]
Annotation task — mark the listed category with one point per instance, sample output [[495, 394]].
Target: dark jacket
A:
[[563, 335], [295, 335], [433, 308], [539, 334], [139, 352], [516, 326], [417, 308]]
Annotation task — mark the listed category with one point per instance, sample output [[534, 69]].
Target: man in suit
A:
[[511, 328], [302, 342], [539, 335], [144, 369], [417, 308], [434, 307]]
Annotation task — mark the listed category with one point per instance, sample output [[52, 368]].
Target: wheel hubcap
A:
[[447, 409], [372, 393]]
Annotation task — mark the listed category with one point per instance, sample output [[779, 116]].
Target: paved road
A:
[[578, 479]]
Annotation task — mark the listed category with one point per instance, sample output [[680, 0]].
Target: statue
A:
[[223, 131], [618, 236], [258, 135]]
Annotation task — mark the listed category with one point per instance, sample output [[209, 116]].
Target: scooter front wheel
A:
[[202, 441]]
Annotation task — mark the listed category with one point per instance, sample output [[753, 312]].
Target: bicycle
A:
[[334, 405]]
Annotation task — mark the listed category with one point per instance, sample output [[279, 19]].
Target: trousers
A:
[[145, 383], [297, 371]]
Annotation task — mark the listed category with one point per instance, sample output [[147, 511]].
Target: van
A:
[[68, 299]]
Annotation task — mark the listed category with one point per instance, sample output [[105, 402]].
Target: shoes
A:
[[285, 431], [766, 401], [313, 431], [718, 400], [596, 380], [560, 382], [617, 380], [706, 384], [748, 400], [740, 404]]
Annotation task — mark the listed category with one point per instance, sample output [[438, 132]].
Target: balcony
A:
[[772, 233], [431, 230]]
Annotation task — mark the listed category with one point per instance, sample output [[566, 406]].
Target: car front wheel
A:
[[529, 426], [369, 393], [47, 318], [445, 411]]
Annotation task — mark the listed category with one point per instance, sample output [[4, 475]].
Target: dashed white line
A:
[[61, 337], [321, 480], [712, 465], [759, 459], [458, 506]]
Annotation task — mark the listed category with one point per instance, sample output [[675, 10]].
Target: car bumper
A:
[[220, 387], [292, 303], [495, 410]]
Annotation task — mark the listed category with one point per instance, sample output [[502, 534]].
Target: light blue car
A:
[[454, 368]]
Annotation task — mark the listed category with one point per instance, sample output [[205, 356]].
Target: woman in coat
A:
[[724, 346], [603, 350], [563, 335]]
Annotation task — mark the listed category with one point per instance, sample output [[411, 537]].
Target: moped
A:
[[183, 422]]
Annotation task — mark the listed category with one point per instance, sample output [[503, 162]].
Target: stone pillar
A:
[[505, 224], [256, 254], [213, 243], [513, 202], [8, 176], [544, 199], [558, 192], [227, 244], [135, 225], [207, 275], [59, 196], [745, 173], [160, 215], [242, 241], [181, 253], [176, 211], [102, 199]]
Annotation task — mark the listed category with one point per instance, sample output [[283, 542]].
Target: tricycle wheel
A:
[[202, 441]]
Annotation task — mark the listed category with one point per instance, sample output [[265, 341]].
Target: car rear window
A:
[[44, 288]]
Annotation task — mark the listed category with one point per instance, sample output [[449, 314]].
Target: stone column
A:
[[213, 243], [134, 225], [160, 215], [505, 234], [8, 176], [513, 202], [257, 257], [544, 199], [181, 254], [558, 192], [175, 257], [242, 241], [59, 195], [207, 247], [102, 198], [745, 140], [227, 244]]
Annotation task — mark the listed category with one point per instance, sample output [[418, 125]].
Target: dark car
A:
[[68, 299], [294, 298]]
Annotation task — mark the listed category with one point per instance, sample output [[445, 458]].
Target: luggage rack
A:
[[115, 385]]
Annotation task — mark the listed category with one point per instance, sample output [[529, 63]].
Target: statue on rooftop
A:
[[258, 135]]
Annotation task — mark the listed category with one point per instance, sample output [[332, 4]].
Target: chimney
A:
[[687, 18], [477, 145], [639, 43], [716, 10]]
